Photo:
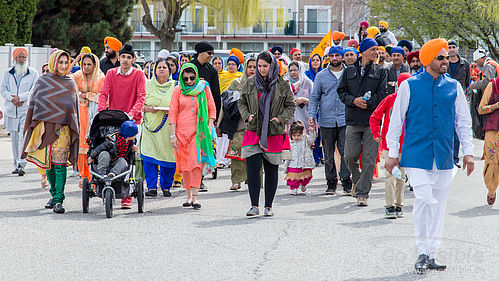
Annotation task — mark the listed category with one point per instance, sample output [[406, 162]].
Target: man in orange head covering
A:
[[18, 81], [431, 105], [111, 47], [337, 37]]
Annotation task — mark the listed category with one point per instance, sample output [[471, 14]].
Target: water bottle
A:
[[397, 173], [367, 96]]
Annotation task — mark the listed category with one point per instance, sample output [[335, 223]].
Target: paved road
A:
[[311, 237]]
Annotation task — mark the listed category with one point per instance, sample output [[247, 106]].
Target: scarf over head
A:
[[225, 78], [204, 142], [311, 72], [53, 101], [266, 87]]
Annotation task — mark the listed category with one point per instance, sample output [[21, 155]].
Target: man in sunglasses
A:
[[431, 105], [204, 54]]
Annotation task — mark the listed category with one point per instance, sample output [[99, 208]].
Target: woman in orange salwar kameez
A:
[[88, 80], [192, 113]]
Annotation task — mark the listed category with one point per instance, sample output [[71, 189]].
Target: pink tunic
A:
[[183, 113]]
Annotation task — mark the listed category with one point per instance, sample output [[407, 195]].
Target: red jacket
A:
[[126, 93], [384, 108]]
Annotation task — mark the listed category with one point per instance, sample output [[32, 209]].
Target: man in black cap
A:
[[202, 58], [204, 54]]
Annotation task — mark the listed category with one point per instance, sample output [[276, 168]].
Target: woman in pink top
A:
[[192, 113]]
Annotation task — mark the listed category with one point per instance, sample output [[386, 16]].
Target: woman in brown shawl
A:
[[51, 130]]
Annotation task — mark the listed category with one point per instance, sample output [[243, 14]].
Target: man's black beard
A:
[[111, 55], [335, 64]]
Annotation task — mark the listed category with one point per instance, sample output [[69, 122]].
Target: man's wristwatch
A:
[[172, 136]]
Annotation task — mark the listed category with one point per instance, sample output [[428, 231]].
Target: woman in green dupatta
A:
[[155, 148], [192, 113]]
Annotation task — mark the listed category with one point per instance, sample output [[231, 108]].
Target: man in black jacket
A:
[[398, 66], [361, 89], [202, 58], [459, 69]]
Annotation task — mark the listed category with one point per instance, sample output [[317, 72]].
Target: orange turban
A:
[[236, 52], [431, 49], [382, 48], [383, 23], [18, 51], [113, 43], [372, 31], [338, 35]]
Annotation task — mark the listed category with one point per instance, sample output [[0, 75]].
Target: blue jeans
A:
[[151, 174]]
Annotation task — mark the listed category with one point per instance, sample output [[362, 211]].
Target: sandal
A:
[[44, 182], [177, 184], [235, 186]]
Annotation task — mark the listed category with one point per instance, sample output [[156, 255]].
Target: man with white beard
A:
[[16, 88]]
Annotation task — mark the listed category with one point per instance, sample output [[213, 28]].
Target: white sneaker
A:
[[294, 191], [303, 188]]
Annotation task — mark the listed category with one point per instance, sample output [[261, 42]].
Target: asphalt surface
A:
[[311, 237]]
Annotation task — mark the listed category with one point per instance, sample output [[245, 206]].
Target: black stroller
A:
[[104, 123]]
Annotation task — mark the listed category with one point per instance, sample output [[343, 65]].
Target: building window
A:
[[197, 21], [211, 17], [317, 20]]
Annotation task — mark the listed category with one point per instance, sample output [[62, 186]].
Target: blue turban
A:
[[128, 129], [234, 59], [352, 49], [405, 43], [366, 44], [276, 48], [397, 49], [336, 50]]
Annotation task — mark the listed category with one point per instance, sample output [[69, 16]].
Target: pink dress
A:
[[183, 113]]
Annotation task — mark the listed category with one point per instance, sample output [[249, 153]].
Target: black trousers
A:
[[253, 168], [332, 137]]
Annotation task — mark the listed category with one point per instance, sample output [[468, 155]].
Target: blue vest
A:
[[429, 123]]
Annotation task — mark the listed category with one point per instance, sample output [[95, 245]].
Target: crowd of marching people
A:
[[344, 108]]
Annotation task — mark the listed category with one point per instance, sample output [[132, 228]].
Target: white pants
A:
[[222, 147], [15, 128], [431, 188]]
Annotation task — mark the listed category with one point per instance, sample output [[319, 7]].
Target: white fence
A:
[[37, 56]]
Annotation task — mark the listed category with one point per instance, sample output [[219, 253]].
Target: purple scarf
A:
[[266, 87]]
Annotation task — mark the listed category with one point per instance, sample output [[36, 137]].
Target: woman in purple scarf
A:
[[267, 105]]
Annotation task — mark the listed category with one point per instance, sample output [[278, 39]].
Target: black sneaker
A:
[[16, 171], [49, 204], [152, 193], [58, 209], [331, 187], [202, 187], [167, 193], [399, 212], [20, 172], [390, 213], [347, 186]]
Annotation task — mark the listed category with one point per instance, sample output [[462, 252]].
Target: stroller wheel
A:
[[85, 195], [139, 189], [108, 201], [215, 173]]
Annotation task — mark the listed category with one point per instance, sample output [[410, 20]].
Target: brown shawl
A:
[[53, 101]]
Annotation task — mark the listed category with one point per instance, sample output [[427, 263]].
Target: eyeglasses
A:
[[231, 64], [440, 58], [210, 53], [186, 79]]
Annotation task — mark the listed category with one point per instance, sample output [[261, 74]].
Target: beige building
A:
[[288, 23]]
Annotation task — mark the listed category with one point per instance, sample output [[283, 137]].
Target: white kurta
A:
[[431, 187]]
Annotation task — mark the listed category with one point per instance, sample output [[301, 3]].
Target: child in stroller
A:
[[111, 154]]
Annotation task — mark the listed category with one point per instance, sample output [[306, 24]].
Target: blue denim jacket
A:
[[325, 100]]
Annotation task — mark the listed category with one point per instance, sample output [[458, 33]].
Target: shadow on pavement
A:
[[479, 211], [367, 224], [408, 276], [227, 222]]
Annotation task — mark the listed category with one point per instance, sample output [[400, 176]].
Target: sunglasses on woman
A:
[[186, 79]]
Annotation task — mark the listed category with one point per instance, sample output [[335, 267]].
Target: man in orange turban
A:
[[111, 47], [337, 37], [236, 52], [431, 105]]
